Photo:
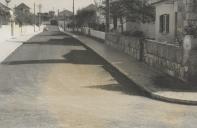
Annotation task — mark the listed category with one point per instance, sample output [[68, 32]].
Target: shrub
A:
[[190, 30], [138, 34]]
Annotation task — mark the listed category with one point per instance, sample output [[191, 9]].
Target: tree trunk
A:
[[121, 22], [115, 22]]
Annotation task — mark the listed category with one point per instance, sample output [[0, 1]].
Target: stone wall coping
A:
[[163, 43]]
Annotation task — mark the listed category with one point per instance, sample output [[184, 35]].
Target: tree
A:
[[24, 18], [132, 10], [138, 10]]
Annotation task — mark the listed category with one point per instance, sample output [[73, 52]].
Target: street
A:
[[54, 81]]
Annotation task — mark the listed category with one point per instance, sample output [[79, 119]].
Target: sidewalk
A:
[[157, 84], [9, 44]]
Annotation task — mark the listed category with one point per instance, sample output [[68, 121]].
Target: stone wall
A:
[[165, 57], [129, 45]]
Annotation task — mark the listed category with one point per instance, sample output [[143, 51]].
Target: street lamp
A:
[[73, 15]]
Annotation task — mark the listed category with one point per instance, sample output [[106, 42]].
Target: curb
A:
[[146, 90]]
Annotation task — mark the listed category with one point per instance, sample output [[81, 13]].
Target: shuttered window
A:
[[164, 23]]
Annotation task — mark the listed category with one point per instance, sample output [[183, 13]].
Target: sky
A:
[[51, 4]]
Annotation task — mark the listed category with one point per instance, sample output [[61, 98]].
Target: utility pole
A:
[[143, 5], [64, 22], [73, 15], [11, 19], [107, 15], [39, 14], [34, 17]]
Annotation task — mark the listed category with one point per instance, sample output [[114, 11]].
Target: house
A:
[[65, 14], [133, 24], [100, 12], [171, 18], [22, 9], [44, 16], [65, 17], [52, 14], [4, 14], [23, 14]]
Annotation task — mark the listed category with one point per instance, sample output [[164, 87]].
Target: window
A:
[[164, 23]]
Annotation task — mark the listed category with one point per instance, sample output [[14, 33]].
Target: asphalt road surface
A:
[[53, 81]]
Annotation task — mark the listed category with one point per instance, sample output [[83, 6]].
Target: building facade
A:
[[4, 14], [172, 16], [23, 15], [65, 17], [22, 9]]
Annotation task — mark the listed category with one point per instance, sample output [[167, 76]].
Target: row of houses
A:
[[171, 18], [23, 15], [19, 11]]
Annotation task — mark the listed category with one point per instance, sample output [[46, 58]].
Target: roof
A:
[[66, 13], [22, 5], [3, 7], [154, 2]]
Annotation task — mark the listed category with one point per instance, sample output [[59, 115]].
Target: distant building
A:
[[44, 16], [22, 8], [65, 17], [4, 14], [100, 12], [52, 14], [23, 14], [65, 14]]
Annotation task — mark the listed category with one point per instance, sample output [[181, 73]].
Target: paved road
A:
[[53, 81]]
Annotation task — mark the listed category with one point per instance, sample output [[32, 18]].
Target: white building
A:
[[171, 18]]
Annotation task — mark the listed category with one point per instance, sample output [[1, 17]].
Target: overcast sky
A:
[[51, 4]]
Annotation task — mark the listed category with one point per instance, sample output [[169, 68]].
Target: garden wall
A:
[[166, 57], [97, 34], [129, 45], [93, 33]]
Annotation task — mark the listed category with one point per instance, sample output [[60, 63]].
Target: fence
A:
[[93, 33], [97, 34]]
